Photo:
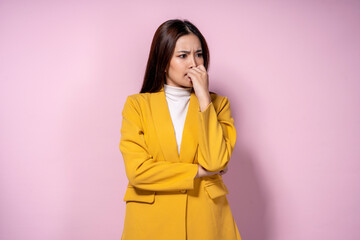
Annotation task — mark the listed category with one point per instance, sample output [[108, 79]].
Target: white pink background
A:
[[289, 68]]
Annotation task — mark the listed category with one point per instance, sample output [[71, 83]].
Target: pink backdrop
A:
[[290, 70]]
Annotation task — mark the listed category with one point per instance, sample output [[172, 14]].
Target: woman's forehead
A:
[[188, 42]]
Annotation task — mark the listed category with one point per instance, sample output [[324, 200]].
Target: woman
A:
[[176, 141]]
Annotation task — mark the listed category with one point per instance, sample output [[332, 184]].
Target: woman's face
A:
[[187, 54]]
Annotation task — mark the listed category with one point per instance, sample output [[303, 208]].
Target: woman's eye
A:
[[184, 55]]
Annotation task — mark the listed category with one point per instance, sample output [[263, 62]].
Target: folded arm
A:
[[217, 136], [142, 170]]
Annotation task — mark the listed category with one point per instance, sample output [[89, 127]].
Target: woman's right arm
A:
[[142, 170], [202, 172]]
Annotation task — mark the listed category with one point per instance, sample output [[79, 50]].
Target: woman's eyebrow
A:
[[199, 50]]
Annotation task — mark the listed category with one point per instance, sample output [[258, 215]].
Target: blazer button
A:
[[183, 191]]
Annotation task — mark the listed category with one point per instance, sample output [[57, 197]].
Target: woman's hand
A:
[[222, 172], [204, 173], [200, 81]]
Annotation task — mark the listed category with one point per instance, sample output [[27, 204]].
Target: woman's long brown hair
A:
[[162, 48]]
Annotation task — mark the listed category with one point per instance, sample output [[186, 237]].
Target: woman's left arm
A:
[[217, 136]]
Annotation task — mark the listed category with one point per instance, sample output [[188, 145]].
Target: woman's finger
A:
[[202, 67], [197, 69], [222, 172]]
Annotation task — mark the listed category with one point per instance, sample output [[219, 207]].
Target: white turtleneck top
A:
[[178, 99]]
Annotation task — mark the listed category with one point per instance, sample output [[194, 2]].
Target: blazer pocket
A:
[[216, 189], [138, 195]]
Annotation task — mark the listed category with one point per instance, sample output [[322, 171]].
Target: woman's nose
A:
[[192, 62]]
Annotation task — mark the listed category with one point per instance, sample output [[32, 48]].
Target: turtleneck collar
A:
[[177, 92]]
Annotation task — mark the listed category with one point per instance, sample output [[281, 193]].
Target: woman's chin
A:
[[189, 84]]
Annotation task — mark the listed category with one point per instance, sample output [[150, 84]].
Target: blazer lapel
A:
[[165, 129], [190, 139]]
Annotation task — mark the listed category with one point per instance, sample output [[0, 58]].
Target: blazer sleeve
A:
[[217, 136], [142, 170]]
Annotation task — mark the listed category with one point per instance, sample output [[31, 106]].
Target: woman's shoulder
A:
[[140, 99], [144, 98], [138, 96]]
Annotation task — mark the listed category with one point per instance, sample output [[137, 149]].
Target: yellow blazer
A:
[[163, 200]]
